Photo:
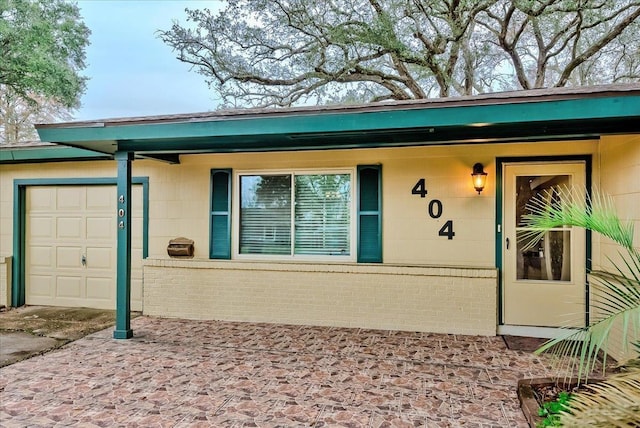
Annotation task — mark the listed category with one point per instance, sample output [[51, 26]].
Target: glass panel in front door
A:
[[550, 258]]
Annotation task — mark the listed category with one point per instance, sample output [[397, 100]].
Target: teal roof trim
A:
[[47, 154], [471, 115]]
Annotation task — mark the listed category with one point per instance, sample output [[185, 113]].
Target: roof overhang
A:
[[562, 113], [45, 152]]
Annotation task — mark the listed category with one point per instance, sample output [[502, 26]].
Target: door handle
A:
[[507, 243], [84, 260]]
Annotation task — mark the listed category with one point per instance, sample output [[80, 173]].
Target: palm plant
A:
[[615, 294], [616, 300], [614, 402]]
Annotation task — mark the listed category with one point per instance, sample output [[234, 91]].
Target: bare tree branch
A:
[[277, 52]]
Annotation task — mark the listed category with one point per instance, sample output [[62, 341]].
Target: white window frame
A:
[[235, 226]]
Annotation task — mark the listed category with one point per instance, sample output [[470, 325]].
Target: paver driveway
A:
[[208, 373]]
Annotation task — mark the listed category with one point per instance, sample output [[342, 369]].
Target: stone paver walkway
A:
[[222, 374]]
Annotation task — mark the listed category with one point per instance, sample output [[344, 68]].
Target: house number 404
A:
[[434, 208]]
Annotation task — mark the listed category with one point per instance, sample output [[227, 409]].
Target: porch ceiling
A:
[[518, 116]]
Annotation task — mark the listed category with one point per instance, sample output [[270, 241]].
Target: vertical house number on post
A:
[[434, 208], [121, 212]]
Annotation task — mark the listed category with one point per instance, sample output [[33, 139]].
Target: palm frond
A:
[[596, 213], [616, 301], [614, 402], [615, 294]]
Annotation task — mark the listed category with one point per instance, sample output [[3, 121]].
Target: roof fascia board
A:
[[468, 115], [48, 154]]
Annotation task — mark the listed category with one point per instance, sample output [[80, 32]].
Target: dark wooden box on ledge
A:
[[180, 248]]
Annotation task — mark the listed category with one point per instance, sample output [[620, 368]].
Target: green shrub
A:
[[551, 410]]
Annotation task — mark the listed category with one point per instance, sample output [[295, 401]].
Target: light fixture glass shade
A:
[[479, 177]]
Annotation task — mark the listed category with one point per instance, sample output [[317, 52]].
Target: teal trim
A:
[[19, 209], [19, 221], [588, 238], [437, 118], [48, 154], [369, 215], [498, 229], [88, 181], [145, 213], [587, 159], [123, 251], [220, 214]]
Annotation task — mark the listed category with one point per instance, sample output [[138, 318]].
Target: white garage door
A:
[[71, 246]]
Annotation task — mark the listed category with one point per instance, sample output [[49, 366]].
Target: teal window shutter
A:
[[220, 223], [369, 214]]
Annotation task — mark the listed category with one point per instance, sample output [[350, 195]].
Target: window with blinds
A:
[[265, 214], [296, 214], [322, 214]]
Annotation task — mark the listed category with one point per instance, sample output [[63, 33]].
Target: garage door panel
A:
[[69, 257], [69, 227], [69, 286], [136, 230], [41, 227], [101, 199], [101, 258], [136, 206], [41, 257], [101, 228], [40, 199], [70, 198], [100, 288], [40, 286]]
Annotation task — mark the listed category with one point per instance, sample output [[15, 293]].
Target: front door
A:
[[543, 285]]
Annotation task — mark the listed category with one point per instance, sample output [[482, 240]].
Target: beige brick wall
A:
[[620, 164], [5, 281], [429, 299]]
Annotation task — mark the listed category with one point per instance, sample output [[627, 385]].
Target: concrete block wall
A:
[[428, 299]]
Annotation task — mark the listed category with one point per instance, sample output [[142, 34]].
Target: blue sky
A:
[[131, 71]]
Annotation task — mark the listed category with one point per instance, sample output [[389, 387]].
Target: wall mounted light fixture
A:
[[479, 177]]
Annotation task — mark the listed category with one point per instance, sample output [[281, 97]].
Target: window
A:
[[328, 214], [296, 214]]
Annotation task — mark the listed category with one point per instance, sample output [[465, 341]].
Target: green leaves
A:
[[596, 213], [551, 410], [42, 45]]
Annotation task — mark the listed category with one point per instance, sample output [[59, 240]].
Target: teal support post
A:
[[123, 223], [19, 230]]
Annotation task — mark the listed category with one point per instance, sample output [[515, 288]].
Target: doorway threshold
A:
[[532, 331]]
